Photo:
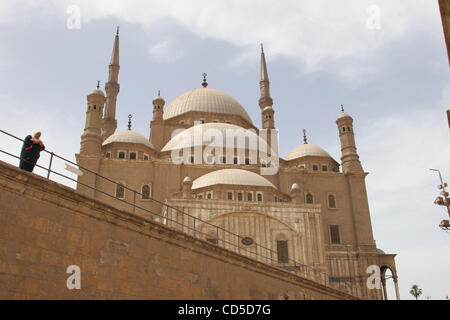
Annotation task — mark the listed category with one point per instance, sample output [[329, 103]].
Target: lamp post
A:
[[443, 201]]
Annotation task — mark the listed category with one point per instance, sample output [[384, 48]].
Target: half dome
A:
[[205, 100], [128, 136], [304, 150], [236, 177]]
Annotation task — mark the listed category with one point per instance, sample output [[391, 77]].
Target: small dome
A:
[[343, 115], [295, 187], [205, 100], [159, 100], [379, 251], [187, 180], [128, 136], [97, 91], [304, 150], [268, 108], [237, 177]]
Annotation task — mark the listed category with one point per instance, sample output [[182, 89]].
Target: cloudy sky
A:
[[384, 60]]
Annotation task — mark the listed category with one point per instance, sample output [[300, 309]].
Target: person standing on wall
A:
[[31, 150]]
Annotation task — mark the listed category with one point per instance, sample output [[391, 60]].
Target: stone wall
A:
[[46, 227]]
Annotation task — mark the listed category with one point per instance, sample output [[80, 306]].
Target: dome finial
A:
[[117, 33], [98, 84], [129, 121], [262, 48], [159, 93], [204, 83], [342, 107], [305, 140]]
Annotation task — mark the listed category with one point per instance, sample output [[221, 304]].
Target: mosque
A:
[[310, 209]]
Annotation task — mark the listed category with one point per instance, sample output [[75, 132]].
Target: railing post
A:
[[95, 184], [194, 225], [134, 202], [217, 235], [50, 166], [167, 215]]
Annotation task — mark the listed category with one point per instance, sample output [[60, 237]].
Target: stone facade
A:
[[46, 227], [321, 210]]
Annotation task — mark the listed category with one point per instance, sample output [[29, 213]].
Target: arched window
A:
[[334, 235], [120, 191], [282, 251], [331, 201], [259, 197], [145, 192], [309, 198], [121, 155], [133, 155]]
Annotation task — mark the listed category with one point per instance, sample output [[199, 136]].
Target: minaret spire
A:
[[265, 101], [264, 74], [112, 88], [115, 59]]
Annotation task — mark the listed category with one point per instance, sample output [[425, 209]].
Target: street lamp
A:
[[443, 201]]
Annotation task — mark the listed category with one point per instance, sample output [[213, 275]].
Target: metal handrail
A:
[[324, 278]]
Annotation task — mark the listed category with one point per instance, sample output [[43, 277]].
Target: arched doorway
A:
[[388, 273]]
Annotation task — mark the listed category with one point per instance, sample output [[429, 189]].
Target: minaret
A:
[[112, 88], [350, 158], [158, 108], [91, 140], [265, 101], [157, 123], [361, 235]]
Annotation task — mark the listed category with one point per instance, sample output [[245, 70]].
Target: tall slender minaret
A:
[[265, 101], [112, 88], [350, 158]]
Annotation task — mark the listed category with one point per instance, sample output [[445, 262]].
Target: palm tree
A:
[[415, 291]]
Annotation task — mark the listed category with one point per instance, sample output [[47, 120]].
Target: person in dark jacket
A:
[[31, 150]]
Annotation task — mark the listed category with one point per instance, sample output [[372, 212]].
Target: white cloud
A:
[[312, 31], [165, 52]]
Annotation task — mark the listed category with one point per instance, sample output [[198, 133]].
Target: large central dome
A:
[[205, 100]]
